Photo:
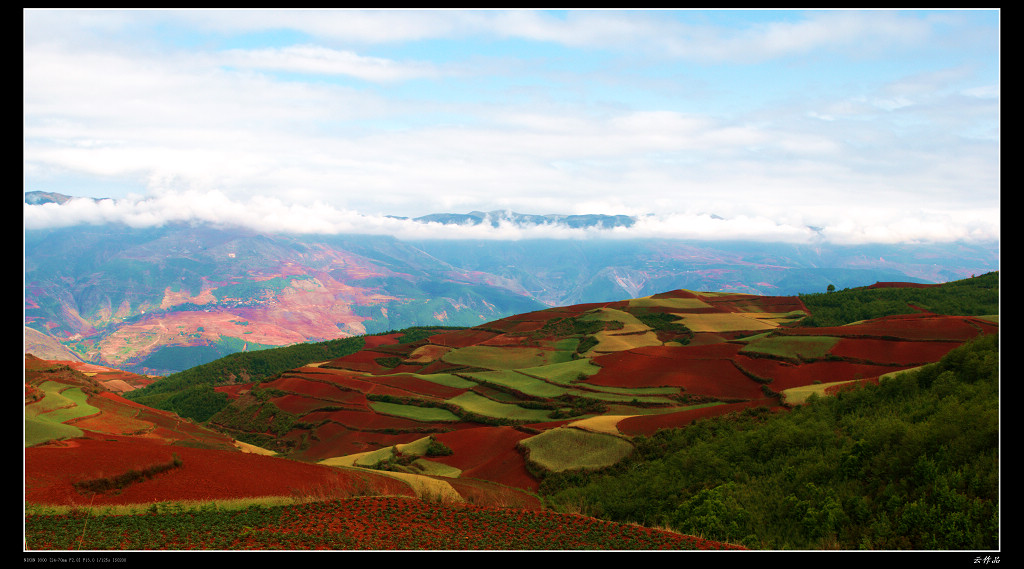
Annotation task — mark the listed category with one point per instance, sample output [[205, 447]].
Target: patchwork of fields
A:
[[471, 416]]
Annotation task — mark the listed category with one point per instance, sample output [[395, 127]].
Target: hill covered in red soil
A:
[[478, 415]]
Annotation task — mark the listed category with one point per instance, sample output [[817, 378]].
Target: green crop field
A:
[[519, 382], [52, 399], [42, 430], [481, 405], [497, 357], [78, 409], [564, 372], [791, 347], [414, 412], [562, 449], [44, 419]]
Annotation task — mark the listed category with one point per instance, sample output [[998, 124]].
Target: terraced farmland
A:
[[479, 415]]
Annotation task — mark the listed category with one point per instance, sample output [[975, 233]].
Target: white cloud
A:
[[274, 215], [319, 60], [213, 112]]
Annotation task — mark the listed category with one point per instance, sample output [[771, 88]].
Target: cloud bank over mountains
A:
[[272, 215]]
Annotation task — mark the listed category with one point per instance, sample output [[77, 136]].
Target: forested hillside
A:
[[910, 463], [974, 296]]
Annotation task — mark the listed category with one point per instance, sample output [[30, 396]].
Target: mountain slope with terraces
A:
[[592, 374], [485, 415]]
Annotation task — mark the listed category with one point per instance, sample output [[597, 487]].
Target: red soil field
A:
[[424, 353], [316, 388], [825, 372], [372, 342], [333, 439], [488, 453], [127, 402], [112, 423], [461, 338], [382, 389], [438, 367], [649, 424], [907, 327], [699, 370], [714, 378], [233, 391], [301, 405], [205, 474], [345, 380], [419, 386], [892, 351], [760, 304], [676, 294], [517, 326], [364, 361], [361, 420]]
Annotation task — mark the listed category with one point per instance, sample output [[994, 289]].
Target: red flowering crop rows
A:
[[354, 524]]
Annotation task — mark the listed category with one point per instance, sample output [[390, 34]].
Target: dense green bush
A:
[[911, 463], [976, 296]]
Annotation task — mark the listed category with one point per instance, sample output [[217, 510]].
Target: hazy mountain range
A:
[[161, 299]]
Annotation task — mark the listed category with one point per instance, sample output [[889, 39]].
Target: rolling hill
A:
[[496, 413]]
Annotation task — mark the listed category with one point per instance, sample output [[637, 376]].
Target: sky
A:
[[836, 125]]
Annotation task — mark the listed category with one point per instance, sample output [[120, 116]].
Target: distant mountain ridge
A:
[[497, 217], [37, 198]]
